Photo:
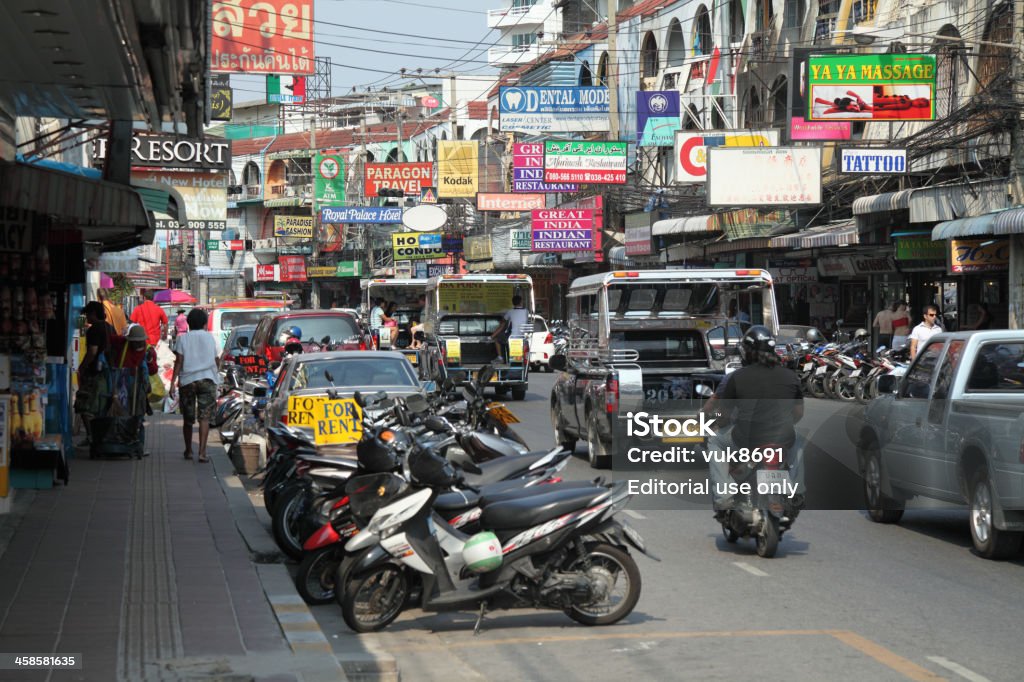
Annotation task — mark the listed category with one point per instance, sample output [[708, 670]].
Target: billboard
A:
[[585, 162], [799, 127], [164, 150], [262, 36], [360, 214], [491, 201], [528, 170], [868, 161], [267, 273], [417, 245], [457, 168], [553, 109], [221, 98], [286, 89], [293, 268], [657, 117], [205, 195], [408, 177], [329, 177], [297, 226], [691, 148], [561, 230], [871, 87], [772, 176]]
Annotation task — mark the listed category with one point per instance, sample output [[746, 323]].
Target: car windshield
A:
[[660, 345], [314, 328], [353, 373], [468, 326], [245, 330], [230, 319]]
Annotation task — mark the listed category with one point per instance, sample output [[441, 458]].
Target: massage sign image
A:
[[871, 87]]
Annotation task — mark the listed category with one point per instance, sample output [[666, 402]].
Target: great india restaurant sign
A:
[[561, 230]]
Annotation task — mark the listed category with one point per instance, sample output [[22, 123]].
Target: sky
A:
[[368, 41]]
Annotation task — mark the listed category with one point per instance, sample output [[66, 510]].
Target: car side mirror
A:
[[558, 362], [887, 384]]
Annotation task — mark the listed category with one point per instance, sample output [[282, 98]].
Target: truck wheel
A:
[[519, 393], [880, 508], [596, 450], [989, 541], [561, 439]]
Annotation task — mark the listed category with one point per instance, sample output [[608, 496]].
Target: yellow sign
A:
[[977, 255], [515, 349], [476, 297], [334, 422], [453, 350], [321, 271], [417, 245], [294, 226], [457, 168]]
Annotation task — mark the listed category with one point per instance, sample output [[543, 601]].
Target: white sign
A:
[[425, 217], [771, 176], [553, 109], [691, 148], [872, 161], [519, 240]]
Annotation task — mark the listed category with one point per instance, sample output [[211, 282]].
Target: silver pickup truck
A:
[[952, 429]]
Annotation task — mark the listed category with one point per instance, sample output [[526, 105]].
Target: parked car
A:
[[951, 429], [223, 317], [542, 345], [792, 345], [232, 348], [322, 330]]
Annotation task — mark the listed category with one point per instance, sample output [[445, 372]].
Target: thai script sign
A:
[[772, 176], [528, 170], [585, 162], [560, 230], [262, 36], [267, 273], [691, 149], [407, 246], [408, 177], [553, 109], [871, 87], [872, 161], [169, 151], [361, 214], [300, 226], [657, 117], [508, 202], [457, 168]]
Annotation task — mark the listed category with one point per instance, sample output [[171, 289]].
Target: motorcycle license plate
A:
[[808, 366], [411, 357], [855, 373], [776, 479], [502, 414], [821, 370]]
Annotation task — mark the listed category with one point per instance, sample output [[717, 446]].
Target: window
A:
[[336, 329], [642, 299], [702, 32], [794, 13], [352, 373], [649, 57], [522, 41], [516, 4], [661, 345], [998, 367], [919, 378], [948, 369], [676, 52]]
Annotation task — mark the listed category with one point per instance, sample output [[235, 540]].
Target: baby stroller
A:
[[119, 430]]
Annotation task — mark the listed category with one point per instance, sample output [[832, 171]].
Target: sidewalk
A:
[[140, 567]]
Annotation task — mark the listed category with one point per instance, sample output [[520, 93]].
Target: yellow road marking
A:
[[886, 657]]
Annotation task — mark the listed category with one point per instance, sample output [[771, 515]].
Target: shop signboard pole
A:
[[5, 450]]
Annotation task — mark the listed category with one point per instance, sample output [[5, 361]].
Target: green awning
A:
[[287, 201]]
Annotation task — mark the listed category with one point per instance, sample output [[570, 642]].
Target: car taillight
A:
[[284, 419], [340, 503], [228, 357], [1021, 457], [362, 345], [611, 396]]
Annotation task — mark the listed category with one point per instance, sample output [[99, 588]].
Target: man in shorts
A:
[[197, 371]]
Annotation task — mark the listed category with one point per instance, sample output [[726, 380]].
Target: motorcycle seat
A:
[[333, 462], [455, 500], [502, 468], [530, 511], [499, 492]]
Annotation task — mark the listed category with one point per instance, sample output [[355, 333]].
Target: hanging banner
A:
[[457, 168], [299, 226], [329, 177], [799, 128], [407, 246], [560, 230], [779, 176], [293, 268], [553, 109], [408, 177], [871, 87], [657, 117], [262, 36], [691, 148], [528, 170], [221, 97], [585, 162]]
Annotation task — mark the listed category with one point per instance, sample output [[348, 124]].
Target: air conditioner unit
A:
[[289, 191]]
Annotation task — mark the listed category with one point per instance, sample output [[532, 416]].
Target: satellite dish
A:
[[425, 217]]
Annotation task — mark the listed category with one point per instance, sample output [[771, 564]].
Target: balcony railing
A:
[[518, 16], [508, 54]]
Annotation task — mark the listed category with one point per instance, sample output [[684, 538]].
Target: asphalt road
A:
[[844, 599]]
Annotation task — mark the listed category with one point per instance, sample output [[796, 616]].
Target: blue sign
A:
[[657, 118], [430, 240], [553, 109], [360, 214]]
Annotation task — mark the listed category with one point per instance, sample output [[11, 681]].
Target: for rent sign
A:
[[408, 177], [560, 230]]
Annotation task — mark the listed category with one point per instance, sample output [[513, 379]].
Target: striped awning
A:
[[1009, 221], [836, 235], [286, 201], [748, 244], [881, 203], [688, 225]]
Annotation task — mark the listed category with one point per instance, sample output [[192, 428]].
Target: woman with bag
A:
[[133, 366], [89, 399]]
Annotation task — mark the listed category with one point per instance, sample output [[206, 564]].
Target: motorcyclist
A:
[[762, 401], [291, 338]]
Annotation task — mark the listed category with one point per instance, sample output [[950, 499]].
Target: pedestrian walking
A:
[[195, 379], [152, 318], [883, 323], [928, 328], [115, 313], [900, 326]]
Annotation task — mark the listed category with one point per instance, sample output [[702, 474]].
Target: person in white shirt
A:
[[928, 328], [197, 371], [511, 326]]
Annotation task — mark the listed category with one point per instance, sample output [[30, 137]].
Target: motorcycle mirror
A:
[[437, 424], [326, 341], [293, 348], [328, 375], [458, 377], [357, 396], [887, 383]]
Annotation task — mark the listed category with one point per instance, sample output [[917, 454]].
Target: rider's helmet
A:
[[482, 552], [813, 336], [861, 333], [292, 333], [757, 342]]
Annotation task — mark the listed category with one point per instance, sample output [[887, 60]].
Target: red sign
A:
[[411, 178], [253, 364], [262, 36], [293, 268], [430, 101], [267, 273]]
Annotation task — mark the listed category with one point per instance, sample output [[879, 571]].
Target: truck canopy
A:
[[466, 295]]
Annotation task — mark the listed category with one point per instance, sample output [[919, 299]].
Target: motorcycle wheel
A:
[[768, 538], [860, 392], [317, 572], [287, 517], [606, 566], [814, 385], [828, 385], [372, 600], [845, 388], [731, 536]]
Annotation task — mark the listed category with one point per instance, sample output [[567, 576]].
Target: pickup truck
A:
[[408, 296], [952, 429], [658, 341]]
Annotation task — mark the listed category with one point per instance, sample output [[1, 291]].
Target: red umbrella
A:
[[173, 296]]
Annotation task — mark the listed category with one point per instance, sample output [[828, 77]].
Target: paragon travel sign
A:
[[876, 87]]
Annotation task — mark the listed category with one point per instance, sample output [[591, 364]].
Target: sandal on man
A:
[[188, 455], [203, 460]]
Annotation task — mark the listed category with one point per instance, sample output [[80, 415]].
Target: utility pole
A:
[[613, 72], [1016, 274], [314, 287]]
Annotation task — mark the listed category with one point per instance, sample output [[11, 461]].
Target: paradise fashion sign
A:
[[692, 148], [528, 170], [457, 168], [771, 176], [262, 36], [871, 87], [360, 214], [408, 177], [585, 162], [872, 161], [299, 226], [560, 230], [553, 109]]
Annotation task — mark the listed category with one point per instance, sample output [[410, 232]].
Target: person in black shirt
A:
[[88, 402], [762, 401]]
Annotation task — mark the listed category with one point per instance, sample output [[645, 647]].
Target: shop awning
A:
[[1009, 221], [843, 234], [541, 260], [881, 203], [748, 244], [285, 202], [689, 225], [617, 256]]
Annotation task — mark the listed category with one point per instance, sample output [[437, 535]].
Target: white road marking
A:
[[752, 570], [963, 672], [636, 515]]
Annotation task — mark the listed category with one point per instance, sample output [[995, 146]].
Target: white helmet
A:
[[861, 333], [482, 552]]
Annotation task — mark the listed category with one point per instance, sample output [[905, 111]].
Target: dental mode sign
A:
[[553, 109]]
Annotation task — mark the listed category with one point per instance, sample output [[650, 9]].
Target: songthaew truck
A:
[[655, 341], [408, 296], [463, 312]]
